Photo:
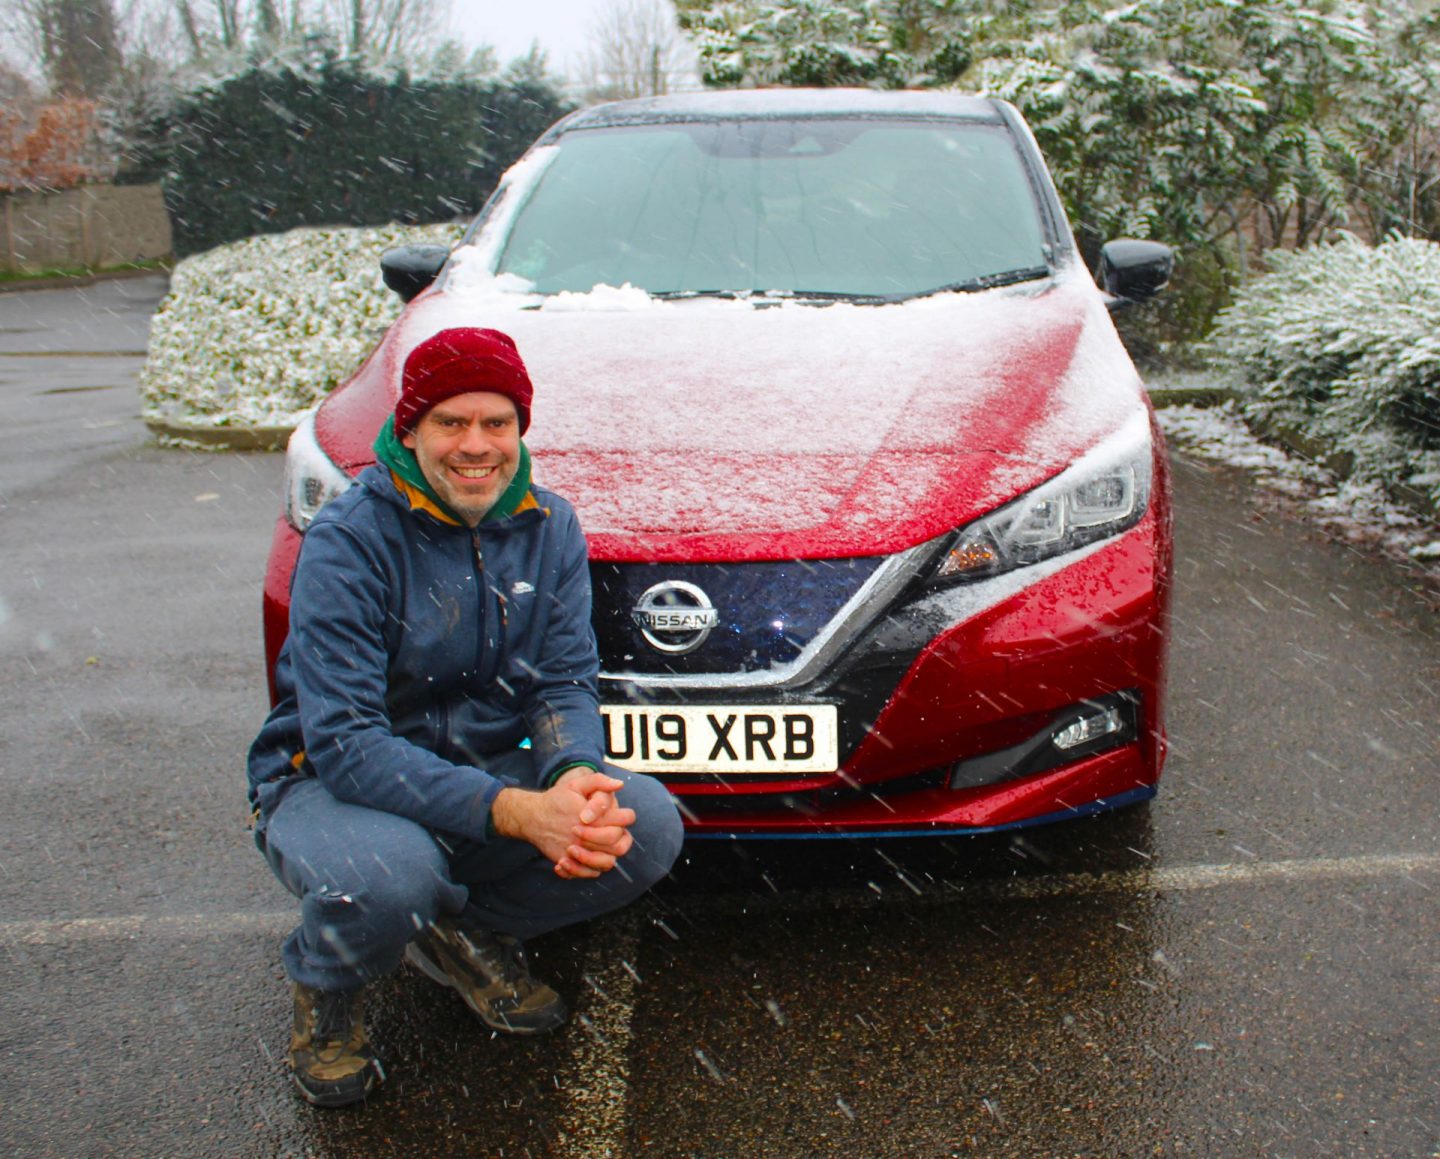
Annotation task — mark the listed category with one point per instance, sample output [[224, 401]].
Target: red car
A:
[[879, 515]]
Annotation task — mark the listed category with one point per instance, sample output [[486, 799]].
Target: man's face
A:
[[468, 447]]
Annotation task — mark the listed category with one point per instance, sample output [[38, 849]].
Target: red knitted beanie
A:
[[460, 361]]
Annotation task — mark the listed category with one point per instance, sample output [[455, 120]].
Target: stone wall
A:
[[91, 227]]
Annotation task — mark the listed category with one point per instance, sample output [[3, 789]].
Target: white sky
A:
[[510, 26]]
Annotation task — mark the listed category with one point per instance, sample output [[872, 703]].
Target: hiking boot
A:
[[490, 973], [330, 1057]]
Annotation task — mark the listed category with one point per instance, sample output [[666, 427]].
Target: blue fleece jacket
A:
[[419, 646]]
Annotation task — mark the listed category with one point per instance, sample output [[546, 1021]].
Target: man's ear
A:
[[407, 440]]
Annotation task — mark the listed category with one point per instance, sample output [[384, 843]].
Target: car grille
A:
[[764, 614]]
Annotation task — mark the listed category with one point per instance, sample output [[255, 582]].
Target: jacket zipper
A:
[[490, 645], [442, 725]]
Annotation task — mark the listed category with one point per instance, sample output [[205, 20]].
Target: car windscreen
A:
[[850, 207]]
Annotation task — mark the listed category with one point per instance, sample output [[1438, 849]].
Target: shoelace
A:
[[332, 1017]]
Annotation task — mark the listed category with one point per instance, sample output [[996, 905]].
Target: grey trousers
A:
[[369, 881]]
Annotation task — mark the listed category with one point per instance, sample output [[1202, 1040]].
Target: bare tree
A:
[[385, 29], [375, 29], [84, 47], [218, 27], [74, 42], [637, 50]]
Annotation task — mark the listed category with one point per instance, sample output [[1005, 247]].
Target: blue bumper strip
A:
[[1104, 805]]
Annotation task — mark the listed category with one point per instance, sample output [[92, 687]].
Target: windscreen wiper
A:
[[676, 295], [771, 295], [983, 282], [969, 285], [836, 296]]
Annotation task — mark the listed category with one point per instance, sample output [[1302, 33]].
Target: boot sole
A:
[[334, 1096]]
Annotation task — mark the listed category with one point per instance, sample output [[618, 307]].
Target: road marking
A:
[[72, 353], [596, 1080], [1144, 879], [67, 931], [1174, 879]]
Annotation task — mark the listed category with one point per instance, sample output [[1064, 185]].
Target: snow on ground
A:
[[1357, 513]]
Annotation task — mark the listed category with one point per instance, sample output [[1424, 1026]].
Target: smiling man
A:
[[430, 783]]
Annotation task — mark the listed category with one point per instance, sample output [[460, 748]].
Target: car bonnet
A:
[[711, 430]]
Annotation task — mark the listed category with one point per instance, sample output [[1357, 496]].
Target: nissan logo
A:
[[675, 617]]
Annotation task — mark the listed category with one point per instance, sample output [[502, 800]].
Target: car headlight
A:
[[1098, 496], [311, 478]]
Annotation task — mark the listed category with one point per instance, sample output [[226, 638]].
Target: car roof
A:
[[786, 103]]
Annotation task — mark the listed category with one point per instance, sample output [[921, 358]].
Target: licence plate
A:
[[697, 738]]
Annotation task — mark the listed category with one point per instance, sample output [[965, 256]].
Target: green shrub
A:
[[328, 142], [1342, 342]]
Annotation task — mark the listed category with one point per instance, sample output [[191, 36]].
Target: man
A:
[[430, 782]]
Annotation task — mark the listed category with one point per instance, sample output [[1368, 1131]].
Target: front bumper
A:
[[985, 684]]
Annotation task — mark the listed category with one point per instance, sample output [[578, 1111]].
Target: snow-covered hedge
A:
[[255, 332], [1342, 342]]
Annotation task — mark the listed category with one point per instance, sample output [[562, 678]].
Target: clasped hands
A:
[[577, 823]]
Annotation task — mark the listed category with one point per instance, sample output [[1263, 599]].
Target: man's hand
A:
[[577, 823]]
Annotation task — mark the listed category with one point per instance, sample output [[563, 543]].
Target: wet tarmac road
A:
[[1245, 967]]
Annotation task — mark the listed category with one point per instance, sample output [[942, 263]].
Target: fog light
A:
[[1088, 728]]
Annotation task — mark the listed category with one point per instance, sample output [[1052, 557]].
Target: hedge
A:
[[254, 333], [1342, 343], [327, 142]]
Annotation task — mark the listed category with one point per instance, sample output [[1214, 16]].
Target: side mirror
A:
[[409, 269], [1134, 271]]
